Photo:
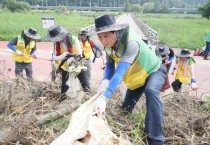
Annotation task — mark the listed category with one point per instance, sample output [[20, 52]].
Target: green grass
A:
[[13, 23], [178, 30]]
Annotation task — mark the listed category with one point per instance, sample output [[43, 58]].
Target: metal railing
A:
[[150, 33]]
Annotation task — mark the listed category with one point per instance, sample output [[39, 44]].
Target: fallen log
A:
[[11, 134]]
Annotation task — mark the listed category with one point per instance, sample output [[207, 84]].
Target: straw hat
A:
[[56, 33], [162, 50], [184, 53], [32, 33]]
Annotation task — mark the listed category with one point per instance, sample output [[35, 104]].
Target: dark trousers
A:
[[154, 115], [64, 79], [176, 85], [20, 66], [207, 50], [168, 66]]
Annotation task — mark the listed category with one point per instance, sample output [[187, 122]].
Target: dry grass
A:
[[22, 102]]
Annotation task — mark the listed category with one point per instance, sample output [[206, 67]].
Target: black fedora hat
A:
[[32, 33], [184, 53], [107, 23], [56, 33]]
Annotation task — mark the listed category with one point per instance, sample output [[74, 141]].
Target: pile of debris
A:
[[30, 114]]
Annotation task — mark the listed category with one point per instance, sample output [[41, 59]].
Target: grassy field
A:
[[175, 30], [13, 23], [178, 30]]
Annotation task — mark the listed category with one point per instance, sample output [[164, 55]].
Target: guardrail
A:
[[82, 8], [151, 34]]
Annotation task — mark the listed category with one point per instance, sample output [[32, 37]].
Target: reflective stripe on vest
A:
[[145, 64], [62, 50], [87, 50], [25, 50]]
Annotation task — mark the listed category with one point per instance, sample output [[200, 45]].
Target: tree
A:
[[14, 6], [136, 8], [205, 10], [148, 7]]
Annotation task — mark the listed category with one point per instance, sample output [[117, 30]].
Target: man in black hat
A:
[[63, 44], [88, 48], [129, 59], [166, 55], [24, 47]]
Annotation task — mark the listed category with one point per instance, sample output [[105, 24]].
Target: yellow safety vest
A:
[[26, 57], [145, 64], [181, 71], [87, 50]]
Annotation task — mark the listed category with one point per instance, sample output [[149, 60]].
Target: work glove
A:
[[100, 105], [34, 56], [103, 86], [194, 86], [19, 52]]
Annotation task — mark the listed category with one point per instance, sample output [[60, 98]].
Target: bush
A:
[[14, 6], [62, 9]]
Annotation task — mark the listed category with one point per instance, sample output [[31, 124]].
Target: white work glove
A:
[[19, 52], [100, 105], [194, 86], [103, 86]]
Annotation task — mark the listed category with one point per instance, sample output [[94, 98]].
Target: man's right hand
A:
[[19, 52]]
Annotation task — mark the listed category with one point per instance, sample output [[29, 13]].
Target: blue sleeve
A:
[[117, 78], [12, 47], [33, 50], [171, 58], [109, 71], [97, 48]]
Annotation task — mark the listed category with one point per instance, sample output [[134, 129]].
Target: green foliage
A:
[[13, 23], [62, 9], [207, 104], [136, 8], [205, 10], [178, 30], [138, 122], [148, 7], [127, 6], [14, 6], [165, 9]]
